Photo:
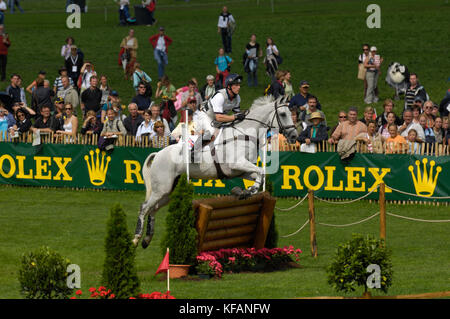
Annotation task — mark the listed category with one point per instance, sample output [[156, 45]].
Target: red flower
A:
[[79, 292], [73, 297], [112, 296], [101, 288], [92, 289]]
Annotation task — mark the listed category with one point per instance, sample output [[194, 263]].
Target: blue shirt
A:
[[222, 62], [299, 100]]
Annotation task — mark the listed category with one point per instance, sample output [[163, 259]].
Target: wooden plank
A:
[[241, 241], [312, 224], [234, 221], [382, 203], [265, 218], [229, 232], [235, 211], [203, 215]]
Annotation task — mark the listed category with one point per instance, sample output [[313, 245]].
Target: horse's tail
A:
[[146, 174]]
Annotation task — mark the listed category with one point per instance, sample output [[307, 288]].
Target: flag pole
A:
[[187, 144], [264, 162], [168, 273]]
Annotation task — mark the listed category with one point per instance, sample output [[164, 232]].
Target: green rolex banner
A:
[[407, 177]]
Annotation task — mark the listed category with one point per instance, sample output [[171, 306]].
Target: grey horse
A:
[[235, 152]]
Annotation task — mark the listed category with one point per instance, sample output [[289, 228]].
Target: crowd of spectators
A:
[[79, 93]]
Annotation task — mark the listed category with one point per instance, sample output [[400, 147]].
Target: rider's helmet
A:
[[233, 78]]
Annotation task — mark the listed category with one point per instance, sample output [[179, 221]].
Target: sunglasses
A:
[[142, 87], [159, 126], [342, 117], [68, 108]]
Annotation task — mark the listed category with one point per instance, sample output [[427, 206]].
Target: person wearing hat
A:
[[178, 132], [300, 100], [315, 132], [113, 97], [73, 64], [57, 85], [59, 111], [160, 43], [372, 64]]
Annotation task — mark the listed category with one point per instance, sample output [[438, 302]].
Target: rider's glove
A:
[[239, 116]]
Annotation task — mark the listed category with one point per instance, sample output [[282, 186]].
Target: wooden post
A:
[[312, 223], [382, 201]]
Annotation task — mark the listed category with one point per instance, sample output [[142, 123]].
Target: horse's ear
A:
[[284, 99]]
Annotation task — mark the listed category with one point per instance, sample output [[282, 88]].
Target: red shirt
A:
[[154, 40], [4, 46]]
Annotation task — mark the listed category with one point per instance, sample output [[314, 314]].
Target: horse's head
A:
[[283, 120]]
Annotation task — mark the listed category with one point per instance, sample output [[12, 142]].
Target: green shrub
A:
[[181, 235], [43, 275], [119, 269], [349, 268]]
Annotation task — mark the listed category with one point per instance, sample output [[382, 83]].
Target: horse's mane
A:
[[261, 101]]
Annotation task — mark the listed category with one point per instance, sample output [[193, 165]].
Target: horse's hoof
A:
[[146, 241], [136, 240], [236, 191], [245, 194]]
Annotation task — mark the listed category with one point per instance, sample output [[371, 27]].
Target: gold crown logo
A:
[[425, 183], [97, 168]]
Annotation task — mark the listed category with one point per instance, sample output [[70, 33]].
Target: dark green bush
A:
[[43, 275], [349, 267], [181, 235], [119, 269]]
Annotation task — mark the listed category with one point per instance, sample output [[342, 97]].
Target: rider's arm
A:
[[224, 117]]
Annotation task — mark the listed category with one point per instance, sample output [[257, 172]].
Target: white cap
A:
[[373, 48]]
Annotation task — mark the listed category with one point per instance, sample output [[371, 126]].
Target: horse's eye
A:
[[283, 114]]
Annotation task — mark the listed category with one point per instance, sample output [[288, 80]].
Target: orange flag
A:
[[164, 264]]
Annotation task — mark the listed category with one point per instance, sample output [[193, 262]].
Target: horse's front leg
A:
[[251, 172]]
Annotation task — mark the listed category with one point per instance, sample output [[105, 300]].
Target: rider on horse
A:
[[218, 107]]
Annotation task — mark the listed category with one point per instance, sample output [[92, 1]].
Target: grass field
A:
[[319, 40], [74, 224]]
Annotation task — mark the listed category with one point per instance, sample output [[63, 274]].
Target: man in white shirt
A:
[[408, 125], [224, 27]]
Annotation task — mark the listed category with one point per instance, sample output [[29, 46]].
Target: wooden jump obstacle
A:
[[227, 222]]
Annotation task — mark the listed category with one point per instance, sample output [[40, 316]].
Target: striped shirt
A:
[[58, 84], [347, 131]]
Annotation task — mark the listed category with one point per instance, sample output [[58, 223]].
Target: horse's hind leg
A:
[[151, 221], [150, 206]]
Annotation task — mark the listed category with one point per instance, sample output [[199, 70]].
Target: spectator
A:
[[113, 97], [369, 113], [29, 113], [253, 51], [59, 113], [142, 100], [68, 93], [117, 108], [395, 143], [276, 88], [156, 116], [388, 107], [342, 117], [13, 3], [57, 85], [70, 125], [145, 127], [160, 137], [91, 98], [315, 132], [428, 112], [299, 125], [372, 64], [150, 5], [209, 88], [129, 46], [23, 123], [223, 63], [384, 129], [418, 103], [446, 128], [124, 13], [438, 130], [113, 126], [416, 114], [5, 43], [92, 124], [272, 59], [312, 108], [444, 106], [413, 146], [133, 120], [300, 100], [225, 28], [428, 131], [160, 43], [66, 49], [15, 90], [362, 70], [348, 130], [45, 123], [408, 125], [140, 76], [41, 75], [178, 132], [104, 87], [288, 91], [2, 11], [73, 64], [168, 93], [372, 139], [191, 92], [6, 122], [41, 96], [414, 90], [86, 72]]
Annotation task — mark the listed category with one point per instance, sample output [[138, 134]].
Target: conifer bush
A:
[[119, 269], [181, 235]]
